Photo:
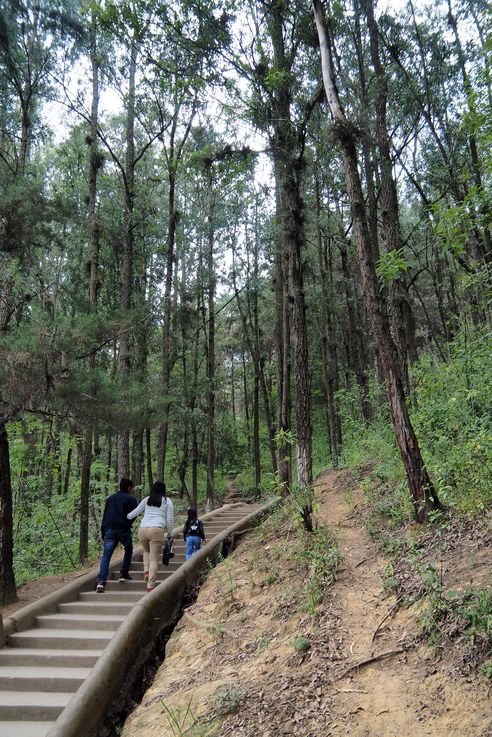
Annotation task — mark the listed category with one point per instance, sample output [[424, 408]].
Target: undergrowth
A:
[[450, 615], [451, 410], [316, 553]]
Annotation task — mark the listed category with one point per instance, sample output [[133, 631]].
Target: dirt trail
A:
[[240, 633]]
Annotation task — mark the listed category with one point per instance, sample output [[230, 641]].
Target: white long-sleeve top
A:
[[162, 516]]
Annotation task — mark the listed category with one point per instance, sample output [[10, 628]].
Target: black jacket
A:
[[117, 507], [200, 533]]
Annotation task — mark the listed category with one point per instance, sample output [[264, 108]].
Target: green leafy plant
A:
[[302, 644], [264, 642], [227, 699], [392, 264]]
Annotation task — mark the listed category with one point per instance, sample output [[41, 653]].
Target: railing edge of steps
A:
[[24, 618], [112, 677]]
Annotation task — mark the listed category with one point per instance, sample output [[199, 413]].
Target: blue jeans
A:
[[193, 543], [111, 540]]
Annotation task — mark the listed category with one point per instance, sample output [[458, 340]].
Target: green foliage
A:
[[318, 551], [451, 410], [452, 614], [453, 420], [227, 699], [302, 644], [392, 265]]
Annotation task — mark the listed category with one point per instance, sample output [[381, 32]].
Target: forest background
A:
[[223, 275]]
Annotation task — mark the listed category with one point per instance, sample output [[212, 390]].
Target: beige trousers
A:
[[152, 539]]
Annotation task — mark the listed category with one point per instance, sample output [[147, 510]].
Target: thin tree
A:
[[424, 496]]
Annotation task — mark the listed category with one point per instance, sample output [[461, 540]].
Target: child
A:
[[193, 533]]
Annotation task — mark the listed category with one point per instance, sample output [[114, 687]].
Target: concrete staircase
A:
[[42, 667]]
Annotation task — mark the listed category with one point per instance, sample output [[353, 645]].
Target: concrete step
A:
[[78, 622], [39, 657], [161, 573], [32, 705], [25, 729], [60, 639], [127, 597], [35, 678], [174, 564], [100, 605], [133, 585]]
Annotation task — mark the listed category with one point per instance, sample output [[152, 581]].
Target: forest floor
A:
[[249, 658]]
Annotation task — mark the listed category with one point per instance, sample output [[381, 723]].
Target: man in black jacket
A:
[[116, 528]]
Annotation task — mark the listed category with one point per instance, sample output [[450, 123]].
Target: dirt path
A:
[[233, 664]]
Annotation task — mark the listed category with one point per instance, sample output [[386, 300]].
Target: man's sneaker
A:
[[125, 577], [100, 588], [149, 589]]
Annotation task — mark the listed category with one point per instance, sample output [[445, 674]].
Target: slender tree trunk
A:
[[109, 456], [167, 358], [233, 386], [485, 243], [247, 412], [210, 347], [68, 465], [303, 409], [282, 146], [329, 367], [137, 456], [94, 231], [148, 455], [401, 309], [423, 493], [358, 346], [85, 478], [127, 263], [8, 592]]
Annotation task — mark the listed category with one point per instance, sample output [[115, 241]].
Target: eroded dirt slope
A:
[[235, 665]]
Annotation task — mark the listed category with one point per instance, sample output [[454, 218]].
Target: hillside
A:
[[262, 651]]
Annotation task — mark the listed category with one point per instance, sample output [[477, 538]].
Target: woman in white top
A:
[[158, 514]]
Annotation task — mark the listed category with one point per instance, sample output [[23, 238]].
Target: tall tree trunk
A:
[[210, 346], [85, 478], [167, 358], [8, 592], [245, 391], [423, 493], [94, 231], [485, 247], [173, 155], [303, 409], [148, 456], [137, 456], [401, 309], [127, 262], [68, 466], [358, 346], [329, 362]]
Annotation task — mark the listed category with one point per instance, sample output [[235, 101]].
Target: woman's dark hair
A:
[[191, 514], [157, 492]]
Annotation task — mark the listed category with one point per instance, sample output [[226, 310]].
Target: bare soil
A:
[[234, 665]]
